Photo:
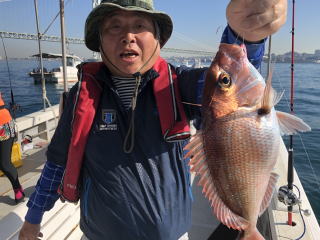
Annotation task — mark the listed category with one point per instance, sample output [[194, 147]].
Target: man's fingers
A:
[[258, 20], [271, 27], [253, 5], [260, 33]]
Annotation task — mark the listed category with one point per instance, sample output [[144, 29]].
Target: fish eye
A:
[[224, 80]]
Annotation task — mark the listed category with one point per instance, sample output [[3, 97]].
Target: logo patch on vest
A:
[[109, 118]]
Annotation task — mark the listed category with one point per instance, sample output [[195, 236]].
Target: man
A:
[[124, 125]]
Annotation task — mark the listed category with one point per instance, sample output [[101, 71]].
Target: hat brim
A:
[[97, 15]]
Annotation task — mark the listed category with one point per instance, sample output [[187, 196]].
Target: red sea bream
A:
[[237, 148]]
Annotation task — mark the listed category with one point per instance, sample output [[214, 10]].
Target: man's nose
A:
[[128, 38]]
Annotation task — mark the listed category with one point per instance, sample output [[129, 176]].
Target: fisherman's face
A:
[[128, 41]]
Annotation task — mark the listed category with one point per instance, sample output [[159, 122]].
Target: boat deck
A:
[[62, 221]]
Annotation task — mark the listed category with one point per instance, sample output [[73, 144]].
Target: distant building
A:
[[298, 57], [317, 52]]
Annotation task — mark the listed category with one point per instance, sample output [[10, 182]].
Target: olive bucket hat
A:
[[98, 14]]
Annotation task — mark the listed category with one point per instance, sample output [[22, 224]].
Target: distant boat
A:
[[55, 75]]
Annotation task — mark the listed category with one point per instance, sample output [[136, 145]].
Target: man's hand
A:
[[255, 20], [30, 231]]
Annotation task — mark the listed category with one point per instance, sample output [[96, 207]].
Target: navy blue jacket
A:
[[145, 193]]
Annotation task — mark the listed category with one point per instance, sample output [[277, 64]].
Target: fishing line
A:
[[309, 161], [286, 100], [13, 107], [5, 53]]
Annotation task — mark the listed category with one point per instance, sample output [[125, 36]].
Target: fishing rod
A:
[[13, 107], [286, 194]]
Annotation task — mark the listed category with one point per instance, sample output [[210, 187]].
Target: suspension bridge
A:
[[44, 37]]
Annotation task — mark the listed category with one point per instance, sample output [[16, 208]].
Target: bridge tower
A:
[[95, 3]]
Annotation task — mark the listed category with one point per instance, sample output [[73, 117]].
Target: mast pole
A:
[[44, 94], [290, 150], [63, 42]]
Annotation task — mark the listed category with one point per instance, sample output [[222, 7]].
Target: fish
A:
[[236, 149]]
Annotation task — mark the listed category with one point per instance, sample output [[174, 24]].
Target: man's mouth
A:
[[129, 54]]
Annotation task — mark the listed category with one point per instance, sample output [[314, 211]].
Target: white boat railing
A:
[[39, 125]]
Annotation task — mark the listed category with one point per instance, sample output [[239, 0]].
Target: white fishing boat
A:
[[62, 222], [55, 75]]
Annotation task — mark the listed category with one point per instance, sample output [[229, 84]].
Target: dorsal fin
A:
[[270, 97]]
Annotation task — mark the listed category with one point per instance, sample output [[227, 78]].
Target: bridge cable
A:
[[54, 19]]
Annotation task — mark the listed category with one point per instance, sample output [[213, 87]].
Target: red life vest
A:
[[174, 124]]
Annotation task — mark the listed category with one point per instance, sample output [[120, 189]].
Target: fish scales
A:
[[237, 148], [238, 166]]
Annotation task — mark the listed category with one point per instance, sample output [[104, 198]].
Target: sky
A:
[[197, 25]]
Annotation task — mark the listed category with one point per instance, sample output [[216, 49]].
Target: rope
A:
[[43, 82], [131, 131], [55, 18], [128, 146]]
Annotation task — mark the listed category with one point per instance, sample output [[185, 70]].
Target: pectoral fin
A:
[[200, 166], [290, 124], [269, 192]]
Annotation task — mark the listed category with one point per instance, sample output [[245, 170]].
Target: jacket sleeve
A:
[[58, 148], [255, 51], [45, 194]]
